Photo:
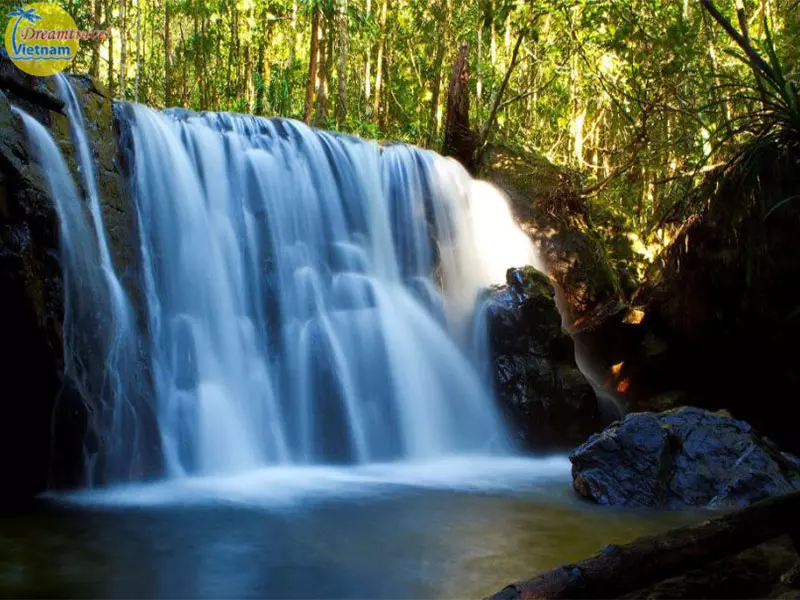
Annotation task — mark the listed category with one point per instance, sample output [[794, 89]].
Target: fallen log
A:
[[617, 570]]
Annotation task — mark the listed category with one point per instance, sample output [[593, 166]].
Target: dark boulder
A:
[[681, 458], [548, 401]]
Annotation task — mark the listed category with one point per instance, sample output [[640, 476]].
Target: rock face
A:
[[42, 418], [552, 213], [681, 458], [543, 393]]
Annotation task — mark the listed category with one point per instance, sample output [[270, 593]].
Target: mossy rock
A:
[[545, 201]]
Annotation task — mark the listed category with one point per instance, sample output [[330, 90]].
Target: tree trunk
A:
[[376, 99], [493, 34], [167, 58], [94, 66], [441, 44], [479, 84], [325, 50], [341, 99], [197, 41], [487, 128], [204, 70], [383, 116], [263, 66], [459, 140], [109, 15], [312, 64], [368, 63], [139, 51], [617, 570], [122, 48]]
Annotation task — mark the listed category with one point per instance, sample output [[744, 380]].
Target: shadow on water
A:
[[393, 540]]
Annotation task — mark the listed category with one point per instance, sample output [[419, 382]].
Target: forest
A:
[[640, 99]]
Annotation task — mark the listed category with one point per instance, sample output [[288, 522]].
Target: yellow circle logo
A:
[[41, 38]]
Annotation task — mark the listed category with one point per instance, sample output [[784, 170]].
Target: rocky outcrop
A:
[[43, 427], [30, 313], [547, 399], [715, 324], [551, 211], [681, 458]]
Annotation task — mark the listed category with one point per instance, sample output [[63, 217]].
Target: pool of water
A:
[[453, 529]]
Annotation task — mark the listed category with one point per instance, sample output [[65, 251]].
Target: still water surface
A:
[[453, 529]]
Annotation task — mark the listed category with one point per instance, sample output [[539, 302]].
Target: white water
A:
[[292, 485], [308, 298]]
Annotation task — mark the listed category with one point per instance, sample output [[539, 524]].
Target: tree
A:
[[313, 62], [341, 99]]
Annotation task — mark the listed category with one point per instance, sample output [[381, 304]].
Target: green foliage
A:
[[645, 99]]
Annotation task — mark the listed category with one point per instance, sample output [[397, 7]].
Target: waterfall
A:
[[306, 297]]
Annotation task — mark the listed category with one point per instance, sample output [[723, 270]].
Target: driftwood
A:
[[617, 570]]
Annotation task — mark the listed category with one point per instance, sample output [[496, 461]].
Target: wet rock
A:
[[681, 458], [43, 422], [36, 90], [546, 201], [548, 401], [31, 312]]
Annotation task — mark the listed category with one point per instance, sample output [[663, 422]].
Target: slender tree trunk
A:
[[326, 50], [719, 96], [122, 47], [248, 79], [184, 64], [376, 99], [167, 58], [197, 42], [442, 40], [263, 66], [94, 66], [493, 33], [312, 64], [487, 128], [204, 67], [341, 100], [368, 64], [383, 117], [479, 72], [109, 15], [293, 34], [139, 51]]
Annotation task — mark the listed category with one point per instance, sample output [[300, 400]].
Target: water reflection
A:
[[395, 540]]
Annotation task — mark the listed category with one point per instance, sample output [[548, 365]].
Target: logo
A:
[[42, 38]]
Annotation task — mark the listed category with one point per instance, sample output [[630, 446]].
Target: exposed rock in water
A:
[[681, 458], [548, 401]]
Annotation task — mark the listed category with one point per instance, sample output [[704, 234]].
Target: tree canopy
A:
[[640, 97]]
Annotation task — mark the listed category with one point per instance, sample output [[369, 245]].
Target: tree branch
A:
[[617, 570], [487, 128], [757, 63]]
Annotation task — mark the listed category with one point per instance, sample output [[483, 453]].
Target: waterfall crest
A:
[[307, 297]]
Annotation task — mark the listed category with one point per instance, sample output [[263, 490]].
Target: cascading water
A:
[[307, 297]]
